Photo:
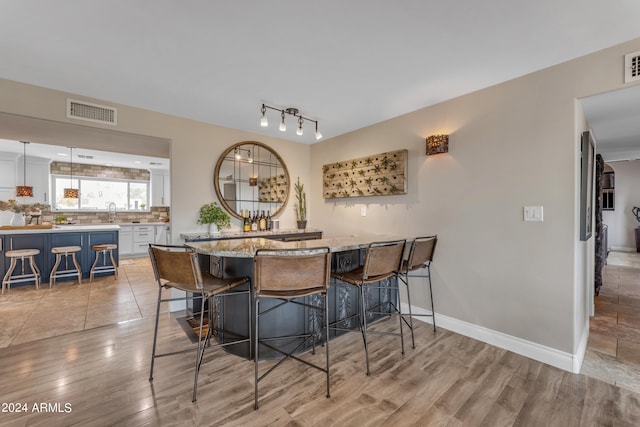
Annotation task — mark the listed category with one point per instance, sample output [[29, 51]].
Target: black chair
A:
[[290, 276], [178, 267], [382, 261], [420, 257]]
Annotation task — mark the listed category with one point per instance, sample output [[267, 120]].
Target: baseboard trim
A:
[[622, 249], [551, 356]]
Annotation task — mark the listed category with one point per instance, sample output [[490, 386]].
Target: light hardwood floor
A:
[[102, 374]]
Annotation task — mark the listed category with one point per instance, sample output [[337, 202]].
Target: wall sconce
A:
[[437, 144], [264, 122], [253, 182], [71, 193], [24, 190]]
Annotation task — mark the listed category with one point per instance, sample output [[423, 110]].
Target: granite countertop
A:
[[246, 248], [245, 234]]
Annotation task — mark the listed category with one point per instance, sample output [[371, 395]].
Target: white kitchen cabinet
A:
[[8, 174], [38, 174], [125, 240], [160, 188], [142, 236]]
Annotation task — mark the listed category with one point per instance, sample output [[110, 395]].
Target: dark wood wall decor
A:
[[383, 174]]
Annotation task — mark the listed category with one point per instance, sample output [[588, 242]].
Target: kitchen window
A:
[[97, 193]]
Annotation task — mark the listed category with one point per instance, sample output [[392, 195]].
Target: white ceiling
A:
[[348, 64]]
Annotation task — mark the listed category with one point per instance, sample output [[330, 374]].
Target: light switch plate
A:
[[363, 211], [533, 213]]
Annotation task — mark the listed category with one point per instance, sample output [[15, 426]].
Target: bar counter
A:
[[234, 258]]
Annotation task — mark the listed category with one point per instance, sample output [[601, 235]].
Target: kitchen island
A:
[[43, 239], [234, 258]]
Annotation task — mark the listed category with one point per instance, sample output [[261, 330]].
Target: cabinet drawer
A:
[[143, 236], [140, 248]]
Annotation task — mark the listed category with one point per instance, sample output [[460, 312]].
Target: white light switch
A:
[[363, 211], [533, 213]]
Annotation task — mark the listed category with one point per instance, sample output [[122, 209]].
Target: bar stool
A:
[[420, 257], [21, 254], [104, 268], [65, 251], [382, 261], [288, 276], [178, 267]]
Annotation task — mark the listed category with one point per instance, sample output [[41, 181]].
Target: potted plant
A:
[[300, 205], [60, 219], [211, 213]]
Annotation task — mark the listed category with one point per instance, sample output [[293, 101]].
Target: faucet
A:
[[112, 211]]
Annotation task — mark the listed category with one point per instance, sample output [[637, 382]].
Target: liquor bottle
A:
[[262, 222], [269, 224], [246, 225], [254, 222]]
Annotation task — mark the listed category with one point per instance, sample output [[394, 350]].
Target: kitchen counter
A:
[[272, 234], [67, 228]]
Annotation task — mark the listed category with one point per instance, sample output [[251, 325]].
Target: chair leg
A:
[[255, 354], [201, 347], [77, 265], [413, 342], [7, 276], [113, 262], [52, 278], [433, 311], [94, 266], [326, 343], [363, 324], [399, 310], [155, 334]]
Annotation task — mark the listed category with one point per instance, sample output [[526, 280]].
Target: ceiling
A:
[[347, 64]]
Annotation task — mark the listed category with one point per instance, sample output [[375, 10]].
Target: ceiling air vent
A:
[[91, 112], [632, 67], [84, 156]]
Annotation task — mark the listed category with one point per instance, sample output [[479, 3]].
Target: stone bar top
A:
[[244, 234], [246, 248]]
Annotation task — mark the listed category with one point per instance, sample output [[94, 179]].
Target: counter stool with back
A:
[[382, 261], [178, 267], [420, 257]]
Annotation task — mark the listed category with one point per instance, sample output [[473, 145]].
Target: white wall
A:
[[621, 220], [510, 145]]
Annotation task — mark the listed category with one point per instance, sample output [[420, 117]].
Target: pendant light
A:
[[24, 190], [71, 193]]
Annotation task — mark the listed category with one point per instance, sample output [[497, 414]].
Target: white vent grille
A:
[[91, 112], [632, 67], [84, 156]]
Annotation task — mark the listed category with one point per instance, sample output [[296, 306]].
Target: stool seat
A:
[[18, 253], [65, 249], [24, 255], [104, 247]]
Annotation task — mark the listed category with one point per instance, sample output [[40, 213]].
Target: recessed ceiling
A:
[[347, 64]]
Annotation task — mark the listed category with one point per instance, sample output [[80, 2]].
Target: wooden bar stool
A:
[[65, 251], [22, 254], [104, 268]]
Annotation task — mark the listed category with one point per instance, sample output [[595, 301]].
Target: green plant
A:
[[211, 213], [60, 219], [301, 201]]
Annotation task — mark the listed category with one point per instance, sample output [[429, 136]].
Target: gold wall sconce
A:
[[253, 181], [437, 144]]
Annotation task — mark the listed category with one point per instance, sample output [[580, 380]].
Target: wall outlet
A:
[[363, 211]]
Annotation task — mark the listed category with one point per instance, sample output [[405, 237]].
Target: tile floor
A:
[[613, 352], [28, 314]]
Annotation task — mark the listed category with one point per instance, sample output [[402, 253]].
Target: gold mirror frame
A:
[[268, 192]]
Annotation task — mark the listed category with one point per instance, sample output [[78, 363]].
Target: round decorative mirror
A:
[[251, 176]]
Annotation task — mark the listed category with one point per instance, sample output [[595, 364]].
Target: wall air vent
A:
[[632, 67], [91, 112]]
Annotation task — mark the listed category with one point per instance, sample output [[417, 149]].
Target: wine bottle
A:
[[254, 222], [269, 224], [262, 221], [246, 225]]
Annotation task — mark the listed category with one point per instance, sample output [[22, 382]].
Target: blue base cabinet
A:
[[46, 260]]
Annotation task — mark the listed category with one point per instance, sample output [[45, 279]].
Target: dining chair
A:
[[178, 267]]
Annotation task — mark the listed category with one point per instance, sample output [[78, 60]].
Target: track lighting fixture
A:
[[283, 126]]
